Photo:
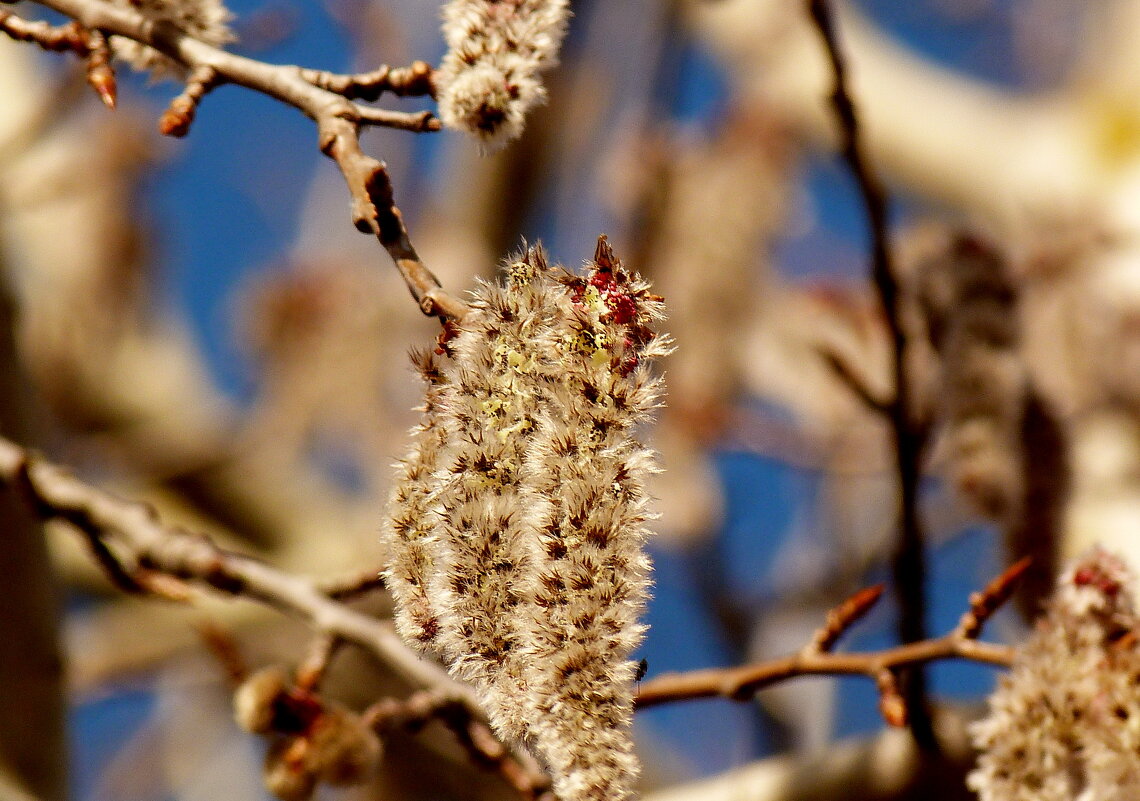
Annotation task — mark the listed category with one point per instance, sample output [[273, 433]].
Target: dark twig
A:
[[882, 667], [909, 563], [855, 381], [419, 709], [349, 587]]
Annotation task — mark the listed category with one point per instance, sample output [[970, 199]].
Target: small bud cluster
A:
[[516, 529], [311, 740], [1065, 723], [204, 20], [488, 81]]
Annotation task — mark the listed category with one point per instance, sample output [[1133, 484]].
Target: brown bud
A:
[[255, 700]]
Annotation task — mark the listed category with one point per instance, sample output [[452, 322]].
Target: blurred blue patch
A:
[[99, 728]]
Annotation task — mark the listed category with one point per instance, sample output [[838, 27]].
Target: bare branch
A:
[[88, 45], [414, 79], [323, 97], [419, 709], [741, 683], [130, 533], [909, 566]]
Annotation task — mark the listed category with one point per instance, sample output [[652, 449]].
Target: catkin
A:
[[1064, 724], [204, 20], [518, 527], [593, 573], [488, 80], [410, 530]]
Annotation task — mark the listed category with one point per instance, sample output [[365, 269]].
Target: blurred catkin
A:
[[1064, 724], [516, 530], [204, 20], [488, 81]]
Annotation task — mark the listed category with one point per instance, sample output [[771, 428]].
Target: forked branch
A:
[[325, 98], [815, 659]]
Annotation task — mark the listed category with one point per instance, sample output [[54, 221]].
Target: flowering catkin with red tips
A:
[[532, 517]]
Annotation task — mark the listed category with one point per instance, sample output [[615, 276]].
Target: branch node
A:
[[179, 115], [843, 617], [983, 604]]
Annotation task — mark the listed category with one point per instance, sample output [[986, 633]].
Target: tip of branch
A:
[[892, 705], [102, 80], [983, 604], [845, 615]]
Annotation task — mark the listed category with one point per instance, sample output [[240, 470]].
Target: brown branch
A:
[[130, 534], [412, 80], [909, 562], [741, 683], [844, 616], [419, 709], [338, 121], [71, 37]]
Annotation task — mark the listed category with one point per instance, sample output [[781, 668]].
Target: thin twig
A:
[[224, 646], [179, 115], [909, 563], [412, 80], [338, 121], [855, 381], [741, 683], [316, 663], [418, 709], [91, 46], [343, 589]]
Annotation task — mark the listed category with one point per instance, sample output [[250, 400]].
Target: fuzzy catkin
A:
[[488, 80], [593, 573], [410, 530], [1064, 724], [204, 20], [501, 366], [520, 534]]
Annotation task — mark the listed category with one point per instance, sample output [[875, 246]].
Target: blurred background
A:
[[197, 323]]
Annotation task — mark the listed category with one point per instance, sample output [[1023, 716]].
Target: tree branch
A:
[[130, 535], [323, 97], [909, 562], [814, 659]]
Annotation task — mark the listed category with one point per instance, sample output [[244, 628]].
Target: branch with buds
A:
[[325, 98], [142, 555], [816, 658], [909, 561]]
